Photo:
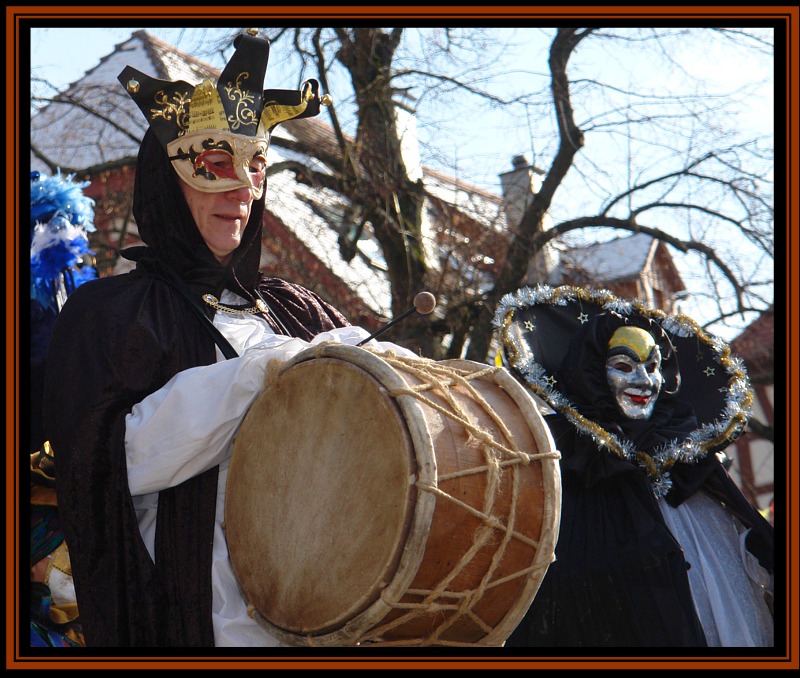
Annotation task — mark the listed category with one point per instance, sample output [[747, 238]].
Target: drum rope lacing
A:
[[440, 379]]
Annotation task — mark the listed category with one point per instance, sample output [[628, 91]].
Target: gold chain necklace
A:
[[211, 300]]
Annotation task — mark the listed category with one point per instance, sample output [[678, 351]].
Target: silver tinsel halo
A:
[[722, 399]]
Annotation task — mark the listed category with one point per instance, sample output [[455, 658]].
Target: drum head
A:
[[319, 492]]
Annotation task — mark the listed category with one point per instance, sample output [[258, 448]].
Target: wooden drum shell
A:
[[364, 505]]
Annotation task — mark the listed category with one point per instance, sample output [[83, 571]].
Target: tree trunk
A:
[[521, 248]]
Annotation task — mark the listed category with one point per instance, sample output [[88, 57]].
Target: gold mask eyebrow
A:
[[636, 339]]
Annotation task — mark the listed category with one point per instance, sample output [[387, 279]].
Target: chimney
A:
[[520, 185]]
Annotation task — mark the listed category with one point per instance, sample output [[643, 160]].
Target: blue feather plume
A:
[[61, 218]]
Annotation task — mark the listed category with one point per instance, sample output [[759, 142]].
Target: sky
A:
[[63, 55], [482, 152], [473, 144], [86, 46]]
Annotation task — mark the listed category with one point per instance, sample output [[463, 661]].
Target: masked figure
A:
[[657, 546], [164, 361], [61, 220]]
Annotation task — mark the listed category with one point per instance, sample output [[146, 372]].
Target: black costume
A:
[[620, 577], [125, 337]]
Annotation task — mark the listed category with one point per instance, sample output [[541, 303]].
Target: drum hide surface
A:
[[377, 500]]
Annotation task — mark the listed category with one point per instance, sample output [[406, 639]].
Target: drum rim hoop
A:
[[425, 503]]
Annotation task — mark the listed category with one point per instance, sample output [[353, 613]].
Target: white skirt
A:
[[728, 584]]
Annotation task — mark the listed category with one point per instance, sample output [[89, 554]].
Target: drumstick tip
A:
[[424, 302]]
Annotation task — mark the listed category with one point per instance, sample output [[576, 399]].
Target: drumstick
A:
[[424, 303]]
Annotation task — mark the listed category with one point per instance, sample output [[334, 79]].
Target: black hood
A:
[[167, 227]]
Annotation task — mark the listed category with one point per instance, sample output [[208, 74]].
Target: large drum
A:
[[377, 500]]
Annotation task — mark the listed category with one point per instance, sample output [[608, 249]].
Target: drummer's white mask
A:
[[633, 370]]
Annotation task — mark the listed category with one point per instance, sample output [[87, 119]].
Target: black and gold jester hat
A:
[[236, 115]]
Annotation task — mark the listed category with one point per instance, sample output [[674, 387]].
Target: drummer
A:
[[150, 372]]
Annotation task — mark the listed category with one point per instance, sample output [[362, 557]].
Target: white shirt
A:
[[188, 426]]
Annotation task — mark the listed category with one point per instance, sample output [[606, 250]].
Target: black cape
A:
[[117, 340], [620, 578]]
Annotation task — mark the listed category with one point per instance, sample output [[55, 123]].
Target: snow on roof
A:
[[64, 133], [172, 64], [485, 208], [612, 260], [290, 202], [60, 130]]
